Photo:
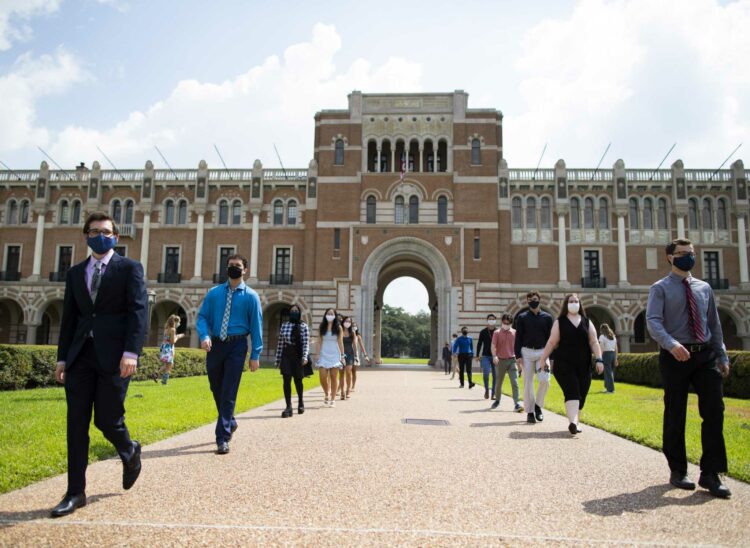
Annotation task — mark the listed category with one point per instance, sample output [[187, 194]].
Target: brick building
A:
[[476, 233]]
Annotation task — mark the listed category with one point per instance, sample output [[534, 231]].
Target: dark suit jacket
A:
[[118, 318]]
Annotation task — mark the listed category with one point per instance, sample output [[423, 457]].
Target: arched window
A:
[[588, 213], [693, 214], [476, 152], [236, 212], [64, 212], [648, 214], [182, 212], [633, 213], [707, 217], [278, 212], [291, 212], [117, 211], [169, 212], [603, 213], [661, 214], [76, 218], [530, 212], [545, 219], [516, 219], [12, 213], [399, 213], [371, 210], [339, 159], [129, 212], [442, 210], [223, 212], [575, 213], [721, 215], [413, 210], [25, 211]]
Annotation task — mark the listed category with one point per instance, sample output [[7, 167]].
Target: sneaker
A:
[[518, 408], [486, 394], [495, 404]]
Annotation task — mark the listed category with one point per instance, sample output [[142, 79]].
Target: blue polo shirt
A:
[[463, 345], [245, 316]]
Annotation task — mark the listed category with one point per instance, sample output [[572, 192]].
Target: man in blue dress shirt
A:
[[463, 347], [229, 313], [682, 317]]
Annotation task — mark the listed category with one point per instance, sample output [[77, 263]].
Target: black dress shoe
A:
[[530, 418], [461, 385], [222, 448], [486, 394], [572, 428], [68, 505], [286, 413], [300, 409], [681, 481], [233, 428], [132, 469], [495, 404], [712, 482], [538, 413], [471, 385]]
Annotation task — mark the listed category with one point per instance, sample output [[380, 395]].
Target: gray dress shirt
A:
[[667, 314]]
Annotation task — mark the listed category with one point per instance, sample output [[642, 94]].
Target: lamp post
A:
[[151, 300]]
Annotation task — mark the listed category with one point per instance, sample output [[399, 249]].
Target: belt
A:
[[695, 348], [534, 347], [229, 338]]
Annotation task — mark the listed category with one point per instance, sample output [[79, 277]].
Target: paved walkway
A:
[[356, 474]]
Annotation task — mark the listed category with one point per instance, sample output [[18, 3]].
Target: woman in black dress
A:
[[292, 352], [573, 340], [350, 353]]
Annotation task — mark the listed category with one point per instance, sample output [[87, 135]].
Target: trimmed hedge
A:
[[28, 366], [644, 369]]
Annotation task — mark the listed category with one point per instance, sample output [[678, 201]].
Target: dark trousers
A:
[[288, 390], [88, 387], [574, 379], [464, 364], [702, 372], [224, 365], [447, 364]]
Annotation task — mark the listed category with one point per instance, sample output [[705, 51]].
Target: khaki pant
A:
[[532, 362], [506, 366]]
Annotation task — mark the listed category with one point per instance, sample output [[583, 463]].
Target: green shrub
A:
[[643, 369], [27, 366]]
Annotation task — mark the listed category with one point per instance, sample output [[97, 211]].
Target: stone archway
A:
[[48, 331], [406, 256], [159, 314], [12, 329]]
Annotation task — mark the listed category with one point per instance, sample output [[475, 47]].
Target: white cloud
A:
[[273, 102], [641, 74], [29, 79], [13, 13]]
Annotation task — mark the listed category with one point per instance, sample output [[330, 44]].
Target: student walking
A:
[[331, 356], [573, 340], [533, 328], [463, 347], [454, 359], [608, 344], [504, 361], [682, 317], [166, 352], [292, 354], [350, 356], [359, 344], [447, 358], [484, 355]]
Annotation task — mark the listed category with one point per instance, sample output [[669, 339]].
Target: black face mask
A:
[[234, 272], [294, 316], [464, 332], [533, 305]]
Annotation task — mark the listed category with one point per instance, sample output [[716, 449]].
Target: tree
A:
[[404, 334]]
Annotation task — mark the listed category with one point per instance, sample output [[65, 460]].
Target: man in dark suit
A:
[[101, 335]]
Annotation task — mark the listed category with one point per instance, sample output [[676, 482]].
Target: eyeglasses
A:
[[684, 254], [94, 232]]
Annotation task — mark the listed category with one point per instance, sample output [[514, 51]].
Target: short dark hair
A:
[[533, 293], [507, 318], [100, 216], [674, 243], [237, 256], [491, 316]]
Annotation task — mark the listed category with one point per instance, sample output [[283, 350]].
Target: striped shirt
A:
[[285, 339]]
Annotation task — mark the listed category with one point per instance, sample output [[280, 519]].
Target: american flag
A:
[[403, 166]]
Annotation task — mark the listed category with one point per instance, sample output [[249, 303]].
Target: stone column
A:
[[377, 357], [198, 267], [434, 161], [194, 343], [421, 159], [38, 245], [622, 258], [742, 243], [31, 334], [623, 342], [144, 242], [393, 158], [254, 248], [562, 252], [377, 163]]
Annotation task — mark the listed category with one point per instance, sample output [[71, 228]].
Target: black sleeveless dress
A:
[[572, 360]]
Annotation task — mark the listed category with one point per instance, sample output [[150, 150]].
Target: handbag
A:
[[307, 369]]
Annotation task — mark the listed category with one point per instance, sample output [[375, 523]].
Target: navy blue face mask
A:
[[101, 244], [684, 263]]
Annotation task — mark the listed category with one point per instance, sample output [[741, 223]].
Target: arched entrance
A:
[[12, 330], [729, 330], [48, 331], [599, 315], [273, 316], [159, 314], [406, 256]]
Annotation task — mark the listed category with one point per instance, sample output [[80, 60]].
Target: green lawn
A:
[[416, 361], [32, 422], [635, 412]]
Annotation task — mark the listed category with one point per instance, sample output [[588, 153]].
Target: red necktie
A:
[[695, 324]]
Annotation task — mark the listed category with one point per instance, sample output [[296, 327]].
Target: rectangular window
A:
[[476, 244], [13, 259], [172, 260], [336, 239], [591, 264], [711, 265], [224, 254], [283, 263], [651, 258], [64, 258], [532, 257], [121, 250]]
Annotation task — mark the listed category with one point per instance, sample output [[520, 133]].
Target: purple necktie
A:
[[695, 324]]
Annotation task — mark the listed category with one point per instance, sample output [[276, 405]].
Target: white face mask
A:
[[506, 326], [573, 308], [491, 322], [347, 324], [330, 318]]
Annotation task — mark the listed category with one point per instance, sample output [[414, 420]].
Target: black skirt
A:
[[291, 364]]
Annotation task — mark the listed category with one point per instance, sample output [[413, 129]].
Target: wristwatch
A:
[[598, 360]]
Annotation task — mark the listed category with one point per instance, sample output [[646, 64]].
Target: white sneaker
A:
[[332, 403]]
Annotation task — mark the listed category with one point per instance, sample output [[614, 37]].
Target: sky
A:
[[128, 75]]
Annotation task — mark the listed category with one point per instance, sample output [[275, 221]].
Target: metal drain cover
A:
[[428, 422]]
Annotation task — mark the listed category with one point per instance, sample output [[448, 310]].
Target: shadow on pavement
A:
[[9, 519], [484, 424], [642, 501], [177, 451], [541, 435]]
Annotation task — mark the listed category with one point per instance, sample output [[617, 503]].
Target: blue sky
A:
[[126, 75]]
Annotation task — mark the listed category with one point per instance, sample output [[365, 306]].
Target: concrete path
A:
[[357, 475]]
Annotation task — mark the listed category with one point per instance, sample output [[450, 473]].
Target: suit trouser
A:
[[88, 387], [464, 364], [532, 362], [700, 371], [224, 365], [506, 366], [447, 365]]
